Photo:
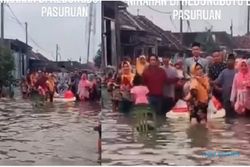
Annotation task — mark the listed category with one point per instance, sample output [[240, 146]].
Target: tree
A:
[[7, 65], [98, 58]]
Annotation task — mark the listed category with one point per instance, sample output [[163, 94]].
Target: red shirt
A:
[[155, 78]]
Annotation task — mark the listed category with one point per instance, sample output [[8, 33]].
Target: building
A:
[[110, 32], [209, 40], [242, 45], [71, 66], [20, 52], [39, 62], [127, 35], [139, 36]]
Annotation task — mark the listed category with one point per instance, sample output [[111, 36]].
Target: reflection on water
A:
[[172, 142], [53, 134]]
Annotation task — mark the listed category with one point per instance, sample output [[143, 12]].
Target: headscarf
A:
[[127, 75], [141, 66], [201, 84], [203, 79], [84, 82], [194, 70], [84, 77], [248, 62], [243, 75], [237, 63]]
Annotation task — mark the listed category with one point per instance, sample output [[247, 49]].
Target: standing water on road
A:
[[53, 134], [173, 142]]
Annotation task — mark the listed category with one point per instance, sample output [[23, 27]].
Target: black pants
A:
[[168, 104], [125, 106], [198, 111], [230, 112], [50, 95], [156, 102], [178, 93]]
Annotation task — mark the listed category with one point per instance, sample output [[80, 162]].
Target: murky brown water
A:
[[172, 142], [55, 134]]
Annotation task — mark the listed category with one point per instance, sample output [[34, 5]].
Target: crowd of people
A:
[[196, 80], [47, 85]]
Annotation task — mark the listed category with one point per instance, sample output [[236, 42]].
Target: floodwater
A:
[[54, 134], [172, 142]]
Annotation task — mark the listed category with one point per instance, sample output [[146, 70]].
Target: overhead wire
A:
[[159, 10], [29, 36]]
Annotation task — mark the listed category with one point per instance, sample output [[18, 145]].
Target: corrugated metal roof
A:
[[141, 23], [38, 56]]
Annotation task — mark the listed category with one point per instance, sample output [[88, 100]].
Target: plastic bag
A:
[[217, 104], [215, 109], [180, 110], [180, 106]]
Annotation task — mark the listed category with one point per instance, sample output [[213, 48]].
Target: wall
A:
[[21, 64]]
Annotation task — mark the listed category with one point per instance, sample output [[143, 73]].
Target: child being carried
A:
[[198, 96]]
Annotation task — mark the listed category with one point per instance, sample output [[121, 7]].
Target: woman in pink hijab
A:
[[84, 87], [240, 94]]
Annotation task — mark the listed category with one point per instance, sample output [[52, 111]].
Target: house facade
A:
[[20, 52], [127, 35]]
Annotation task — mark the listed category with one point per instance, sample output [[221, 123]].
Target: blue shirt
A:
[[225, 79]]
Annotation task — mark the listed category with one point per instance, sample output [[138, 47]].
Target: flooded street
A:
[[172, 142], [55, 134]]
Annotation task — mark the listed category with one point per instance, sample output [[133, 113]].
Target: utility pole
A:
[[117, 35], [248, 20], [231, 28], [103, 38], [56, 52], [2, 23], [181, 25], [89, 28], [26, 32]]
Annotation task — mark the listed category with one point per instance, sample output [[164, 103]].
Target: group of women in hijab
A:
[[234, 83], [47, 86], [122, 83]]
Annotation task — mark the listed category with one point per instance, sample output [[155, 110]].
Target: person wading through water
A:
[[196, 58], [155, 78], [240, 95], [127, 78], [225, 80], [169, 88], [198, 96], [83, 88], [214, 71], [141, 64]]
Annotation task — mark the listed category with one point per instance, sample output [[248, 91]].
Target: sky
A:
[[238, 15], [68, 32]]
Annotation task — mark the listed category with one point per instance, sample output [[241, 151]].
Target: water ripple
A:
[[172, 142], [53, 134]]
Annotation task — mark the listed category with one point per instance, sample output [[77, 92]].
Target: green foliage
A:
[[6, 67], [98, 58]]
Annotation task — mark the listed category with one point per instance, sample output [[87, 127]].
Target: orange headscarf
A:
[[201, 84], [141, 66], [127, 75]]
